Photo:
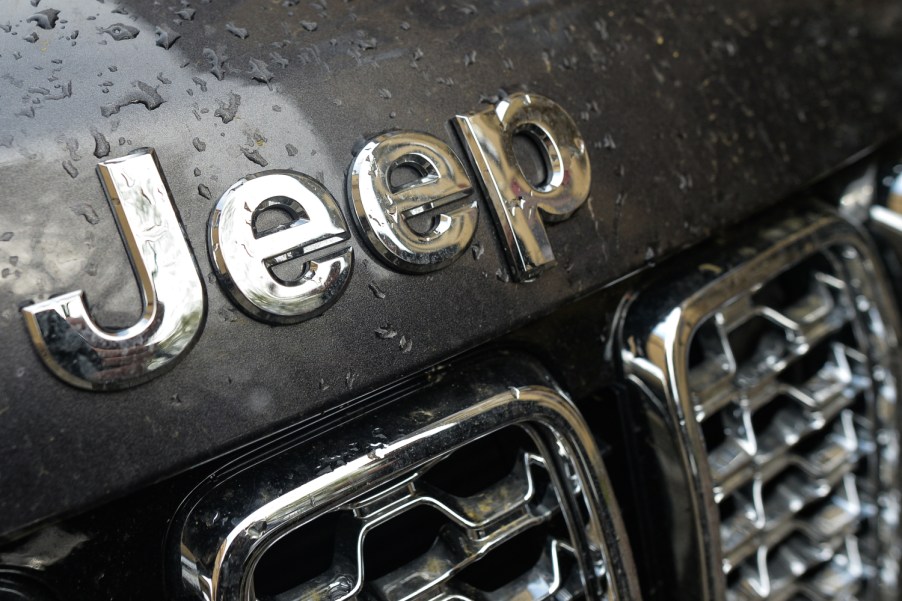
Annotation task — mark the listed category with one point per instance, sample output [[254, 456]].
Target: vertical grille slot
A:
[[784, 443], [785, 376]]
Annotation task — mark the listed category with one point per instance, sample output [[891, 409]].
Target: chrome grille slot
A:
[[783, 369], [493, 500]]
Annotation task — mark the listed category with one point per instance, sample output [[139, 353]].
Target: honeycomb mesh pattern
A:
[[784, 380], [452, 539]]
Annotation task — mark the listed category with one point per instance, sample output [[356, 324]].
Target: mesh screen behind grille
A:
[[782, 387]]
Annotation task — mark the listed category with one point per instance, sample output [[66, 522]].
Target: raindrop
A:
[[86, 211], [197, 172], [405, 344], [216, 63], [186, 13], [6, 236], [385, 332], [291, 150], [144, 94], [309, 25], [45, 19], [31, 38], [199, 145], [165, 37], [241, 32], [200, 83], [377, 292], [254, 157], [70, 169], [120, 31], [260, 72], [204, 191], [101, 146], [227, 112]]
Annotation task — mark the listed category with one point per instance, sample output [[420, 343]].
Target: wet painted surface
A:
[[696, 116]]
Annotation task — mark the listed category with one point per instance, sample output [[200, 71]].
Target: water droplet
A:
[[45, 19], [199, 145], [377, 292], [86, 211], [143, 94], [70, 169], [101, 145], [216, 63], [120, 31], [241, 32], [165, 37], [6, 236], [227, 112], [31, 38], [309, 25], [255, 157], [204, 191], [200, 83], [260, 72], [385, 332]]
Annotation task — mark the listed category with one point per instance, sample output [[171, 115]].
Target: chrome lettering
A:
[[73, 346], [382, 210], [519, 207], [243, 257]]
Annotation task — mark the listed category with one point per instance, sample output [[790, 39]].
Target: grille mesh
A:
[[783, 381]]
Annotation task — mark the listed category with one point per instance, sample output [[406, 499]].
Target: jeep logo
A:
[[81, 353]]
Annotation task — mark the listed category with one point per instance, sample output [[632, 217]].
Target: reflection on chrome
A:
[[81, 353], [243, 256], [519, 207], [378, 470], [382, 210]]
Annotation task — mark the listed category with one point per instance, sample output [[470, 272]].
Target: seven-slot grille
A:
[[777, 366], [439, 498], [781, 385]]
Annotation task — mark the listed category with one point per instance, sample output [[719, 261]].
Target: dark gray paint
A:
[[697, 115]]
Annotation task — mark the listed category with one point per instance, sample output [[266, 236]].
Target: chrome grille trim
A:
[[794, 484], [374, 469]]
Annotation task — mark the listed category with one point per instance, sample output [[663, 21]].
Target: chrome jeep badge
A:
[[245, 254], [382, 210], [73, 346], [517, 205]]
